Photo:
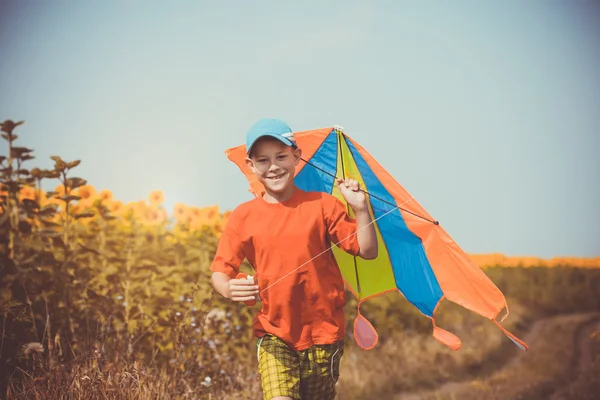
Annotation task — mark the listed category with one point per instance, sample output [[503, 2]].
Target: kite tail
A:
[[441, 335], [453, 342], [520, 344], [365, 334], [447, 338]]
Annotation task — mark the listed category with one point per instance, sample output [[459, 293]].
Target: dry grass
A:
[[88, 380]]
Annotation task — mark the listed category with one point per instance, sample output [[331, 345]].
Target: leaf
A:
[[85, 214], [8, 126], [18, 152], [50, 174], [75, 182], [59, 164], [50, 223], [73, 164], [69, 197], [48, 210], [36, 172]]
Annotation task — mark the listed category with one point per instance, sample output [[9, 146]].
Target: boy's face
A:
[[273, 163]]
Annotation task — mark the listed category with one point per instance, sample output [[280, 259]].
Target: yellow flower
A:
[[156, 198], [105, 196], [88, 195], [86, 192], [208, 216], [154, 217], [115, 206], [181, 213]]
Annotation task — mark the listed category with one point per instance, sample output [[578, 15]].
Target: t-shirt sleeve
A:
[[230, 253], [340, 226]]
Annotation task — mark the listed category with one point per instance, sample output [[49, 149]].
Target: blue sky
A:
[[488, 113]]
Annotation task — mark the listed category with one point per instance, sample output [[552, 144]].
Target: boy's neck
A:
[[271, 197]]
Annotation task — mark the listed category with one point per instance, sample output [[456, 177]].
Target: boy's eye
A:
[[282, 157]]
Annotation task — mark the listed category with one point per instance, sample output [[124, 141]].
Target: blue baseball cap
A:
[[270, 127]]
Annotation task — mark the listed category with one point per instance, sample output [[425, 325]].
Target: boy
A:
[[286, 235]]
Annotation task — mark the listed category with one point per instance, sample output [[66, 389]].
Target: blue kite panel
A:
[[310, 179], [412, 270]]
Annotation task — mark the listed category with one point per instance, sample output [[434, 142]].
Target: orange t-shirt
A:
[[305, 307]]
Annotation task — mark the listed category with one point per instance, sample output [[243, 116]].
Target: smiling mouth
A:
[[277, 177]]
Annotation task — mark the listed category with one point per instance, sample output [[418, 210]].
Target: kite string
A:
[[325, 251]]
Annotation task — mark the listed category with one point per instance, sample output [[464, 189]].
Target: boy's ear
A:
[[297, 155], [250, 164]]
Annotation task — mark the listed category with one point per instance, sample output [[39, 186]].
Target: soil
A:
[[563, 362]]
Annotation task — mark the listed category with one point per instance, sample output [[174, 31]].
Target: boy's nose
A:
[[273, 167]]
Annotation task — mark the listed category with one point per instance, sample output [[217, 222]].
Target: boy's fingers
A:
[[242, 299], [244, 289], [348, 183], [243, 292], [241, 283]]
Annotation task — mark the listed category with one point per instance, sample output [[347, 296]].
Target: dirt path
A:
[[563, 351], [586, 379]]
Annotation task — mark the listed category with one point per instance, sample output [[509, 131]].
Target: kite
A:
[[416, 256]]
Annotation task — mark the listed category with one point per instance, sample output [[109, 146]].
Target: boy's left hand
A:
[[354, 197]]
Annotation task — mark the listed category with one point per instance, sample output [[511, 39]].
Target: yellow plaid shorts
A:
[[302, 375]]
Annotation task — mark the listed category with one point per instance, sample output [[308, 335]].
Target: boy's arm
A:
[[355, 236], [226, 266], [220, 283], [367, 239]]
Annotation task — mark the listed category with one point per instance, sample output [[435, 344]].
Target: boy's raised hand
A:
[[354, 197]]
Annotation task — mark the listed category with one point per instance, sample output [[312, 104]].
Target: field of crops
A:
[[102, 299]]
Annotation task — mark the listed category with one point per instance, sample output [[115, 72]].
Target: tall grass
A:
[[101, 299]]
